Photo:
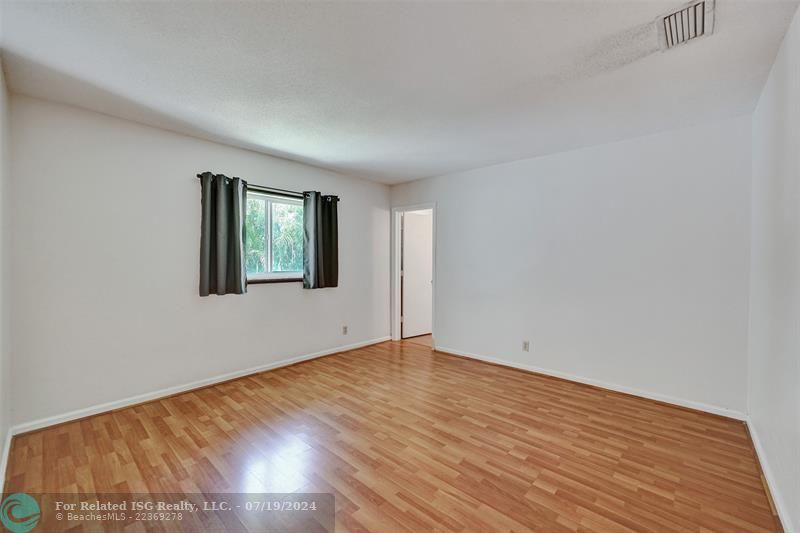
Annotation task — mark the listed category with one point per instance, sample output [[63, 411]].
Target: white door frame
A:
[[395, 248]]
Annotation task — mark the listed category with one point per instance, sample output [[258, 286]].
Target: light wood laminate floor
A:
[[424, 340], [413, 440]]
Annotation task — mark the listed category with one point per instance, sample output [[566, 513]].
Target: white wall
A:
[[106, 218], [626, 264], [774, 371]]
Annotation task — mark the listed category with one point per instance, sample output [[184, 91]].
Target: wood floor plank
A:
[[408, 439]]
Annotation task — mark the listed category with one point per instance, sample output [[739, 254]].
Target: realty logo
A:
[[19, 512]]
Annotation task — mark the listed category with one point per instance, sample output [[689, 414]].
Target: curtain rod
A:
[[259, 188]]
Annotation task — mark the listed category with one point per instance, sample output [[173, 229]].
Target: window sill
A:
[[258, 281]]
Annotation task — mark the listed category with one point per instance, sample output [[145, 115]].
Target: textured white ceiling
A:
[[393, 91]]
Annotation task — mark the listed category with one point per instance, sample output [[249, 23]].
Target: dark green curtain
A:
[[222, 237], [320, 241]]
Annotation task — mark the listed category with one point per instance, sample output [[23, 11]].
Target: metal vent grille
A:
[[688, 23]]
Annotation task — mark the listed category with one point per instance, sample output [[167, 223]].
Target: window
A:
[[274, 237]]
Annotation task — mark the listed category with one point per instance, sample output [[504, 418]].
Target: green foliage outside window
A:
[[255, 228], [286, 236]]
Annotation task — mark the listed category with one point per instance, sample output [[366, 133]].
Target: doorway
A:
[[414, 272]]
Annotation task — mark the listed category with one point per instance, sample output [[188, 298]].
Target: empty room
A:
[[400, 266]]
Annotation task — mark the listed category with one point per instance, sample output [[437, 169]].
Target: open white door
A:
[[417, 273]]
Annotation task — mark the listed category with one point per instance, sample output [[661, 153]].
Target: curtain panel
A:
[[320, 241], [222, 235]]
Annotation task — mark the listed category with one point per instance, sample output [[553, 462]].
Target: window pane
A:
[[287, 237], [255, 228]]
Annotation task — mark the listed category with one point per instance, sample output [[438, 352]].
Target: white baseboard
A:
[[4, 458], [777, 497], [140, 398], [713, 409]]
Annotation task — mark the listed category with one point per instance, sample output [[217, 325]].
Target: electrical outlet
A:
[[344, 330], [526, 346]]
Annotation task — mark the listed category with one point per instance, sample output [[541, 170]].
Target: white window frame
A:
[[268, 200]]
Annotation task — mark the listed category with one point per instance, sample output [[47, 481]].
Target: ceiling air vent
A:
[[690, 22]]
